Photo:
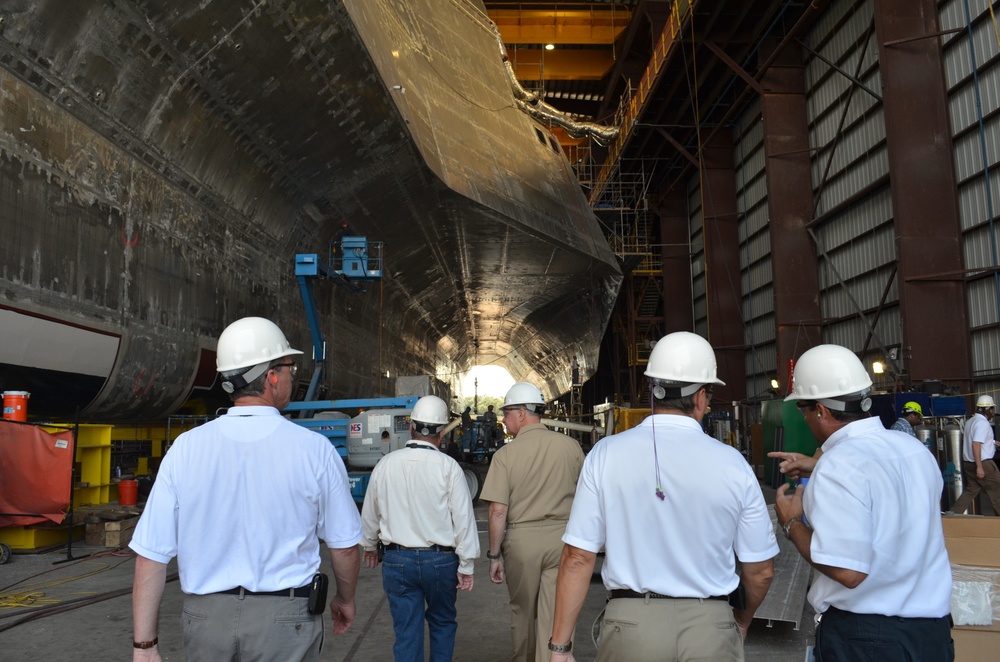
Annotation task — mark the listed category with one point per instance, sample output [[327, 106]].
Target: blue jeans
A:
[[413, 579]]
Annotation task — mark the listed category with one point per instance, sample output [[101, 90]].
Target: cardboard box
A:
[[974, 541]]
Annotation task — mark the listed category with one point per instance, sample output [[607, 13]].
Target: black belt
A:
[[629, 593], [300, 592], [433, 548]]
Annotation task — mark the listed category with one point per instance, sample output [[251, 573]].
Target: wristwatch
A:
[[787, 526], [493, 557], [565, 648]]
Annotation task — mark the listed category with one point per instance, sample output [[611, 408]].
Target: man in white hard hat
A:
[[869, 521], [242, 503], [979, 471], [530, 488], [671, 533], [418, 506]]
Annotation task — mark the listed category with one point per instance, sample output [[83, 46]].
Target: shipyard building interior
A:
[[413, 189]]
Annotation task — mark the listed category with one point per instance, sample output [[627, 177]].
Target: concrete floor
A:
[[103, 630]]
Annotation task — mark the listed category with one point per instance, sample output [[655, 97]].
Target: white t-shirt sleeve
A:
[[339, 522], [586, 528], [839, 509], [755, 540]]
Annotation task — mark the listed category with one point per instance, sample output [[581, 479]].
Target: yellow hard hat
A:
[[913, 408]]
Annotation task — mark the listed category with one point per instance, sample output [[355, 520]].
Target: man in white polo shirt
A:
[[672, 535], [979, 471], [869, 521]]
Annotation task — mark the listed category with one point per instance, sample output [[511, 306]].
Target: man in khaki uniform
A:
[[530, 487]]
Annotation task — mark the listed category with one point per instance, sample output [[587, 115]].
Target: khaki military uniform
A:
[[535, 477]]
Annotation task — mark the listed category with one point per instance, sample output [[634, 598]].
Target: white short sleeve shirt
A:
[[686, 544], [978, 429], [244, 501], [873, 502]]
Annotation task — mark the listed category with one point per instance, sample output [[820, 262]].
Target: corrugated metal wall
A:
[[973, 78], [854, 231], [756, 285], [854, 235]]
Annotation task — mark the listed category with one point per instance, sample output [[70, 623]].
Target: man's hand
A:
[[743, 630], [980, 473], [496, 571], [794, 465], [561, 657], [787, 505], [342, 614], [371, 558], [465, 582]]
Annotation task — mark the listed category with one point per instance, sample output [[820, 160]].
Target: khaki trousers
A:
[[531, 555], [974, 485], [669, 630]]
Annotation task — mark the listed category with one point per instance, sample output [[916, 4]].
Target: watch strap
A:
[[787, 526], [145, 644], [493, 557], [564, 648]]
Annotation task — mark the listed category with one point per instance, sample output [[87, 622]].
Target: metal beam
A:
[[540, 26], [722, 266], [736, 68], [540, 64], [794, 263], [924, 195], [675, 252]]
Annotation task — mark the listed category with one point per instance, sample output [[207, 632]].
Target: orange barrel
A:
[[15, 405], [128, 492]]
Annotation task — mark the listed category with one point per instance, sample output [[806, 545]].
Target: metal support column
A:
[[924, 193], [675, 256], [722, 266], [794, 264]]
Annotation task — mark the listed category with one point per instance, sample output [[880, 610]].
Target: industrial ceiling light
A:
[[550, 47], [774, 384], [878, 368]]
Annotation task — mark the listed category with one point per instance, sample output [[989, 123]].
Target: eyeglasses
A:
[[508, 410], [805, 404], [292, 368]]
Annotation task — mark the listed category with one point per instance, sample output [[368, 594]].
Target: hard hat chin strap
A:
[[864, 403], [235, 382], [663, 390]]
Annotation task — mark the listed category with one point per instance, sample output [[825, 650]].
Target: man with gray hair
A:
[[672, 537], [242, 503]]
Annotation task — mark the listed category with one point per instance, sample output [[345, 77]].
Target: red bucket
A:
[[128, 492], [15, 405]]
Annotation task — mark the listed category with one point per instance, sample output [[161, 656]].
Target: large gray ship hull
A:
[[162, 162]]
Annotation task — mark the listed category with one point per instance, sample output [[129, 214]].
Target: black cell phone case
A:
[[317, 593]]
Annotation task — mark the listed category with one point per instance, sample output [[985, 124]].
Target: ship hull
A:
[[162, 162]]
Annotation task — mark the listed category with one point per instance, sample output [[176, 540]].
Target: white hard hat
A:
[[249, 342], [684, 359], [984, 402], [429, 411], [523, 393], [829, 371]]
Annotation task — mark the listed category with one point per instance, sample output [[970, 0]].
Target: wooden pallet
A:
[[111, 528]]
